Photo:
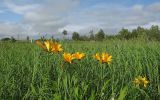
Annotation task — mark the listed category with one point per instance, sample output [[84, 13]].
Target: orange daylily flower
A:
[[141, 81], [97, 56], [42, 45], [56, 47], [103, 58], [78, 55], [68, 57], [50, 46]]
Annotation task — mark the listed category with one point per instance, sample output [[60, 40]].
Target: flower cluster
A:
[[50, 46], [141, 81], [54, 47], [69, 57], [103, 58], [78, 55]]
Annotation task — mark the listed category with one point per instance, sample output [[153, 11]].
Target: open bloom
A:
[[136, 82], [103, 58], [49, 46], [56, 47], [97, 56], [141, 81], [68, 57], [78, 55], [42, 45]]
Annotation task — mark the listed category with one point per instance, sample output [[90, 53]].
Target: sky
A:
[[35, 18]]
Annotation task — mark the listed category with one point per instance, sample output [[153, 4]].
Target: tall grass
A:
[[27, 72]]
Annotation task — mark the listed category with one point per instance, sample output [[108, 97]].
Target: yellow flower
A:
[[106, 58], [56, 47], [103, 58], [78, 55], [144, 81], [136, 82], [141, 81], [50, 46], [97, 56], [42, 45], [68, 57]]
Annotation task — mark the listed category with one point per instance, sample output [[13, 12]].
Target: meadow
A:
[[28, 72]]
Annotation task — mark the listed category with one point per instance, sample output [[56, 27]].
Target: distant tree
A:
[[13, 39], [139, 32], [91, 37], [75, 36], [124, 34], [154, 32], [64, 33], [110, 36], [134, 33], [100, 35], [27, 38], [5, 39], [84, 38], [142, 33]]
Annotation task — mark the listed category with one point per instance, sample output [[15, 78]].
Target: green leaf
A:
[[104, 86], [123, 93]]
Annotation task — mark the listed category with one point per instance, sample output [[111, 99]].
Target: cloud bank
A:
[[51, 17]]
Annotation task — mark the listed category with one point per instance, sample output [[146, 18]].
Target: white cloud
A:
[[114, 18], [137, 7], [21, 9], [151, 23], [52, 16], [45, 17], [15, 29], [155, 7]]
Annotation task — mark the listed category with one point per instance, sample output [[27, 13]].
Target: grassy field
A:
[[28, 72]]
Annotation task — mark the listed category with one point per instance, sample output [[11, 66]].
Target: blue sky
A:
[[39, 17]]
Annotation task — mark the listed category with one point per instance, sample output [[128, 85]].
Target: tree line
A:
[[153, 33]]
